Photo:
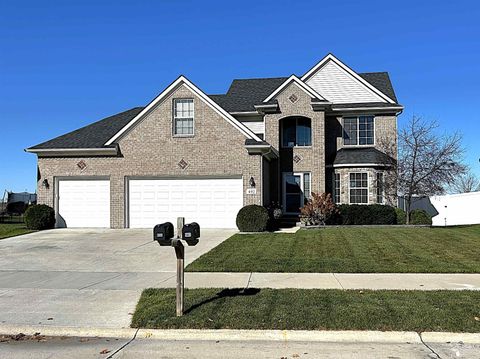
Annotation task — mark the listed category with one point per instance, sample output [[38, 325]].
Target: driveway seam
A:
[[124, 345], [101, 281], [428, 346]]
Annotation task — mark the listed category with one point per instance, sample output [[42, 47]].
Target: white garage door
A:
[[84, 203], [211, 202]]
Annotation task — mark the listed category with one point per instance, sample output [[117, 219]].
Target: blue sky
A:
[[64, 64]]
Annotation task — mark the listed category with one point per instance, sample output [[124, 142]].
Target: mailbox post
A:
[[190, 233], [180, 253]]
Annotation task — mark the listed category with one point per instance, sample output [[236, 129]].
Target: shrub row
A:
[[254, 218], [364, 214]]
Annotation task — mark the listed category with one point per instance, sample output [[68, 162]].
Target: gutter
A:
[[265, 150], [73, 152]]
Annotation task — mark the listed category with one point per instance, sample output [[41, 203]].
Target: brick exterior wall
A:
[[150, 150], [313, 157], [385, 133], [372, 184]]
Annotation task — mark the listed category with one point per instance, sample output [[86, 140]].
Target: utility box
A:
[[191, 233], [163, 233]]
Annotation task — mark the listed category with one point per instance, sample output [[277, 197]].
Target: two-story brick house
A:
[[203, 157]]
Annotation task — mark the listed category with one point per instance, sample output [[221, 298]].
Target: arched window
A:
[[296, 131]]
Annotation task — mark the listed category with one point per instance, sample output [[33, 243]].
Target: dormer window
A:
[[183, 117], [358, 131]]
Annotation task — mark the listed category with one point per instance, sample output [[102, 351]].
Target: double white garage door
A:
[[212, 202]]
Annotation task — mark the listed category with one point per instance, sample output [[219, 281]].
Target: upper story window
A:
[[358, 131], [296, 131], [183, 117]]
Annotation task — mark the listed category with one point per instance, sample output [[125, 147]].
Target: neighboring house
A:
[[203, 157]]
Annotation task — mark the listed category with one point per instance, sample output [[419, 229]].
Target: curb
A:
[[281, 335], [441, 337], [52, 331], [331, 336]]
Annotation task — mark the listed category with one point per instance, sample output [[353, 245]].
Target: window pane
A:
[[350, 130], [336, 188], [306, 185], [359, 187], [366, 130], [304, 132], [379, 187], [288, 133], [183, 116]]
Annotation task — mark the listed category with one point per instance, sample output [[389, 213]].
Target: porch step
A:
[[288, 221]]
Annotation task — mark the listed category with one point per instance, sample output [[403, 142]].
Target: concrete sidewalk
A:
[[137, 281], [373, 281]]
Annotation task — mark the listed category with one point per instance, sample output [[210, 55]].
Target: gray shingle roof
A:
[[381, 81], [347, 156], [94, 135], [242, 95]]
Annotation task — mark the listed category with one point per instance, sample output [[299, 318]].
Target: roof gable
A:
[[304, 87], [182, 80], [340, 84]]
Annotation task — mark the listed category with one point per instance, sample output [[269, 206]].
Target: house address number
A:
[[251, 191]]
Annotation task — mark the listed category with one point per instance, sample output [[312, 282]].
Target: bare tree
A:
[[465, 183], [427, 163]]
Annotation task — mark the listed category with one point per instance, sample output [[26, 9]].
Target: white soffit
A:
[[339, 84]]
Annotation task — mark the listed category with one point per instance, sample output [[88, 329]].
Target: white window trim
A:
[[284, 197], [174, 118], [296, 118], [368, 188], [358, 131]]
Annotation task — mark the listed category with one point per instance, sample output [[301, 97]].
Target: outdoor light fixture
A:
[[45, 183], [252, 182]]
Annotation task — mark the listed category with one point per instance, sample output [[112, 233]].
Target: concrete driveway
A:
[[85, 277]]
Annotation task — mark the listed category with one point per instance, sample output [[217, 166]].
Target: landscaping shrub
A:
[[364, 214], [401, 216], [39, 216], [318, 209], [419, 216], [252, 218]]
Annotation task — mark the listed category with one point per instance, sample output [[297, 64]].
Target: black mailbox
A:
[[191, 233], [163, 234]]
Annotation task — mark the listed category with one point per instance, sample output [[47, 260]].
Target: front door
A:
[[293, 192]]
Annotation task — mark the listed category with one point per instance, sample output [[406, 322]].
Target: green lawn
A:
[[12, 229], [311, 309], [349, 250]]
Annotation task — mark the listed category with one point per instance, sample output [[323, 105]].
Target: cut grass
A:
[[349, 250], [311, 309], [12, 229]]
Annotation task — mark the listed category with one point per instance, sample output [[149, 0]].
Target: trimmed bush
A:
[[401, 216], [364, 214], [419, 216], [252, 218], [39, 216]]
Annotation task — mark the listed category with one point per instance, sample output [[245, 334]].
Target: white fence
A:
[[456, 209]]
